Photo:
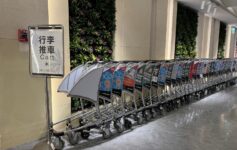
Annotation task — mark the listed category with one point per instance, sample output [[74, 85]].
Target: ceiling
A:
[[229, 3], [224, 10]]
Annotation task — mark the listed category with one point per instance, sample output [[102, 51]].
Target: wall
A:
[[22, 98]]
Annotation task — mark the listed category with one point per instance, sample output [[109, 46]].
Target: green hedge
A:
[[186, 32], [221, 44], [92, 27]]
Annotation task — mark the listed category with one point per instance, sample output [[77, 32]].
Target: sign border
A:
[[46, 27]]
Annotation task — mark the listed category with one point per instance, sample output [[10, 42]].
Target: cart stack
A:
[[129, 93]]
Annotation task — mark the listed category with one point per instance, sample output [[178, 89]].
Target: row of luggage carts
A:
[[130, 93]]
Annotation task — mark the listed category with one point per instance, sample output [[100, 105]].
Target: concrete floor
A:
[[209, 124]]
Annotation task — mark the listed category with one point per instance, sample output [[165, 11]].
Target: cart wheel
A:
[[106, 133], [172, 105], [118, 126], [162, 110], [85, 134], [57, 143], [166, 107], [192, 98], [127, 124], [147, 115], [183, 101], [154, 112], [186, 100], [139, 118], [178, 103], [73, 137]]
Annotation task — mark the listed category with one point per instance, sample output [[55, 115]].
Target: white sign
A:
[[46, 51]]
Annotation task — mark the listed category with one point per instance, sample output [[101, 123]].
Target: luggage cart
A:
[[131, 90], [80, 83]]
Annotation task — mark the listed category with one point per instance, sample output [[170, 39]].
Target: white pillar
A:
[[199, 39], [171, 35], [233, 45], [58, 13], [132, 35], [230, 43], [163, 31], [145, 29], [205, 24], [227, 41], [208, 36], [215, 39], [159, 30]]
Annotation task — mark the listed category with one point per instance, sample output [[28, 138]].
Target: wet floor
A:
[[209, 124]]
